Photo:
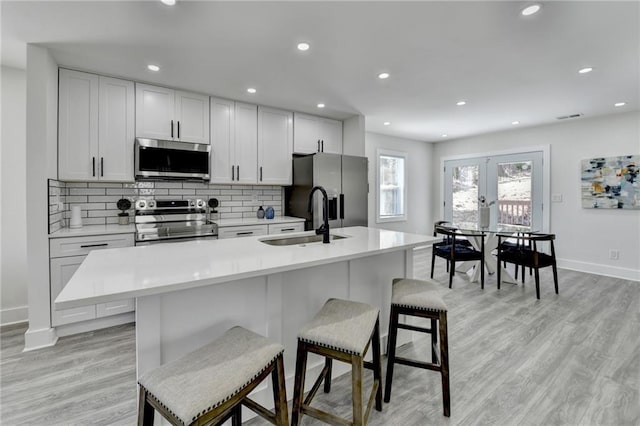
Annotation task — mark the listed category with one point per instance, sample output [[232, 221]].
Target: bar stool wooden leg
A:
[[236, 418], [444, 363], [377, 365], [328, 363], [356, 390], [434, 340], [298, 388], [391, 352], [279, 392], [146, 413]]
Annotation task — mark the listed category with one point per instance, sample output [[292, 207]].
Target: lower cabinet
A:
[[62, 269]]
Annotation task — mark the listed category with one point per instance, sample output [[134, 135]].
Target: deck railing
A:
[[514, 212]]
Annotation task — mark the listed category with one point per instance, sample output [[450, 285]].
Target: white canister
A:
[[76, 219]]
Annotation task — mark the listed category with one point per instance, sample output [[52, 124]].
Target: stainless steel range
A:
[[162, 221]]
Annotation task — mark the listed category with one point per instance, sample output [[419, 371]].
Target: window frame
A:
[[404, 156]]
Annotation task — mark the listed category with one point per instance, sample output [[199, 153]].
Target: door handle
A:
[[102, 166], [178, 130], [233, 173], [172, 129], [93, 165], [341, 206]]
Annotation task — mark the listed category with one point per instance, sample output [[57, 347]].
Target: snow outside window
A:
[[392, 186]]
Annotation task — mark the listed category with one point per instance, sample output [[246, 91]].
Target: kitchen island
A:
[[188, 294]]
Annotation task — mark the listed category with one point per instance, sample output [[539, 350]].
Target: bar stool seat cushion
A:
[[341, 325], [417, 294], [207, 377]]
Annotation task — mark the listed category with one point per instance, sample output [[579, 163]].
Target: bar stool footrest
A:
[[418, 364]]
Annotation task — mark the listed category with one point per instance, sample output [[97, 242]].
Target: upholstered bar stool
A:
[[210, 385], [341, 330], [419, 299]]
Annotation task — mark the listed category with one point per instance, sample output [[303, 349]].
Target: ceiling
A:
[[506, 66]]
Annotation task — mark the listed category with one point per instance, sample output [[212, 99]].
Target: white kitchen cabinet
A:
[[246, 143], [242, 231], [283, 228], [62, 269], [316, 134], [222, 140], [95, 128], [168, 114], [66, 256], [275, 146]]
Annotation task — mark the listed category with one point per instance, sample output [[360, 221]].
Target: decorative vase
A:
[[270, 213], [484, 215]]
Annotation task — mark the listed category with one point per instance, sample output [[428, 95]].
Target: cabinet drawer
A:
[[242, 231], [115, 308], [283, 228], [79, 246]]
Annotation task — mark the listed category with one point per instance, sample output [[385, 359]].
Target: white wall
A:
[[419, 192], [584, 236], [42, 116], [13, 228]]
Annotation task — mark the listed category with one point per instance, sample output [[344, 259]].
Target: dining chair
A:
[[510, 244], [458, 250], [528, 253]]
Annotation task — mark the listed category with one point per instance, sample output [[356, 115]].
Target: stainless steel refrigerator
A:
[[345, 179]]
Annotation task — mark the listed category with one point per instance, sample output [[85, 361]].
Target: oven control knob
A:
[[142, 204], [152, 204], [200, 203], [192, 204]]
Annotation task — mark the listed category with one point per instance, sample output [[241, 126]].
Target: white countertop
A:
[[115, 274], [88, 230], [255, 221]]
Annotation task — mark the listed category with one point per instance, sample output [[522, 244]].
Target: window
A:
[[392, 186]]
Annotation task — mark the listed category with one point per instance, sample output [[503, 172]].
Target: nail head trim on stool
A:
[[210, 378], [421, 299], [341, 330]]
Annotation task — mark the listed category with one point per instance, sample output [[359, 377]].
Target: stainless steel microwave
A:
[[159, 159]]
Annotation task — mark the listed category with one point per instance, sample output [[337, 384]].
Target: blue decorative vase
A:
[[269, 212]]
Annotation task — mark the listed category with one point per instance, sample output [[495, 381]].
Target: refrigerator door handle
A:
[[341, 206]]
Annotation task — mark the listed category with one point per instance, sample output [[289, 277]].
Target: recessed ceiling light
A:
[[320, 105], [251, 90], [303, 46], [383, 75], [152, 67], [515, 122], [444, 135], [169, 2], [530, 10], [460, 103], [387, 123], [619, 104], [585, 70]]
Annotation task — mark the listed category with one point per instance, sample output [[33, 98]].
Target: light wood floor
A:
[[567, 359]]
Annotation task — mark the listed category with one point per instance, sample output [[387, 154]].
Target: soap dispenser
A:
[[260, 213]]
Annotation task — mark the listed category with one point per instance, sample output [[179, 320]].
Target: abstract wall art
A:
[[611, 182]]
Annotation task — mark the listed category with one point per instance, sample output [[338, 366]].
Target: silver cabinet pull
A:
[[287, 229], [172, 129], [233, 173], [244, 233], [178, 130], [318, 145], [102, 166], [94, 245], [238, 172], [93, 165], [322, 145], [260, 173]]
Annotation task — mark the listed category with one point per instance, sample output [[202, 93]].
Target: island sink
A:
[[302, 239]]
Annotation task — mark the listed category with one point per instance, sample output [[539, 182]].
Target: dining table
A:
[[490, 244]]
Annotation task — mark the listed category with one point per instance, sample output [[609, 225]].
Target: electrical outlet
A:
[[614, 254], [556, 198]]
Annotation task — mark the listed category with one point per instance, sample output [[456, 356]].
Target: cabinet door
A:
[[275, 146], [246, 143], [62, 269], [222, 139], [306, 134], [77, 126], [154, 112], [116, 130], [331, 135], [192, 117]]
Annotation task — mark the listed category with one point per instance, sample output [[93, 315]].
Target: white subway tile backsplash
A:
[[97, 200]]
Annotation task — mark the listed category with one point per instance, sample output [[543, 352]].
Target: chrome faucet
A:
[[324, 228]]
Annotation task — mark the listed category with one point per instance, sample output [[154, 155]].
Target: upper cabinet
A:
[[275, 146], [316, 134], [169, 114], [95, 127], [250, 144]]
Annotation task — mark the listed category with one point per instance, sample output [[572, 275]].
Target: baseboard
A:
[[600, 269], [95, 324], [38, 339], [14, 315]]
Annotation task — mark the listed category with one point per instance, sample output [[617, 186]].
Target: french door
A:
[[511, 183]]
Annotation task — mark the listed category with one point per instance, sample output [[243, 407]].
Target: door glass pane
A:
[[465, 194], [514, 193]]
